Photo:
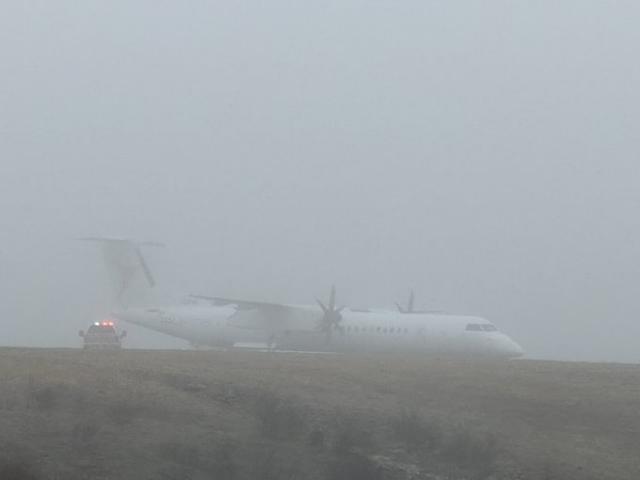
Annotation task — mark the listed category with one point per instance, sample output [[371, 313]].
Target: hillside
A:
[[69, 414]]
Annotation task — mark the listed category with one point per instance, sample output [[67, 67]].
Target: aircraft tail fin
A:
[[128, 269]]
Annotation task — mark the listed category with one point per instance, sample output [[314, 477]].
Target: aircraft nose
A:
[[512, 349]]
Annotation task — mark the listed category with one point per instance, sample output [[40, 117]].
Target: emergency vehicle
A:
[[102, 336]]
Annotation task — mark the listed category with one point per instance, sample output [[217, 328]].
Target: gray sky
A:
[[483, 153]]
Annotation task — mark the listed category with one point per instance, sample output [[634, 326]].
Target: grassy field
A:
[[67, 414]]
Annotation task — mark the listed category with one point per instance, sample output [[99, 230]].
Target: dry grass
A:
[[244, 415]]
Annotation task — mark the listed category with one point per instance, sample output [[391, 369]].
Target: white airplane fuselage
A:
[[371, 331]]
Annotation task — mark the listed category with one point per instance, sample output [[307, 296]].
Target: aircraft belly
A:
[[313, 341]]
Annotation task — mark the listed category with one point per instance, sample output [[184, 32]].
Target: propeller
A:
[[331, 316], [409, 308]]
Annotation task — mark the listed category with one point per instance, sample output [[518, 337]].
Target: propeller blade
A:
[[331, 316], [327, 337], [411, 298], [324, 309], [320, 325], [332, 298]]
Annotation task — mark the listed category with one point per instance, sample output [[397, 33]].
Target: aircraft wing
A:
[[271, 317], [242, 304]]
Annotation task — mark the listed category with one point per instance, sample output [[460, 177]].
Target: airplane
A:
[[325, 327]]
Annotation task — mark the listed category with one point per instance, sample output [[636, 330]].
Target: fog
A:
[[481, 153]]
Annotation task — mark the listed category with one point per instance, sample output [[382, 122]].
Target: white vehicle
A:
[[102, 336], [323, 327]]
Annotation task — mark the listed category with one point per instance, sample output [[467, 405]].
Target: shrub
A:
[[16, 471], [83, 434], [472, 452], [353, 466], [80, 402], [123, 412], [183, 382], [279, 418], [219, 464], [44, 398], [267, 465], [176, 472], [316, 439], [549, 471], [350, 434], [179, 453], [222, 465], [416, 432]]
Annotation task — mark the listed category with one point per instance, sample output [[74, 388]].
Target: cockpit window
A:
[[478, 327]]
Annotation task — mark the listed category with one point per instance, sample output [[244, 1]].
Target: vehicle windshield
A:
[[101, 329]]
